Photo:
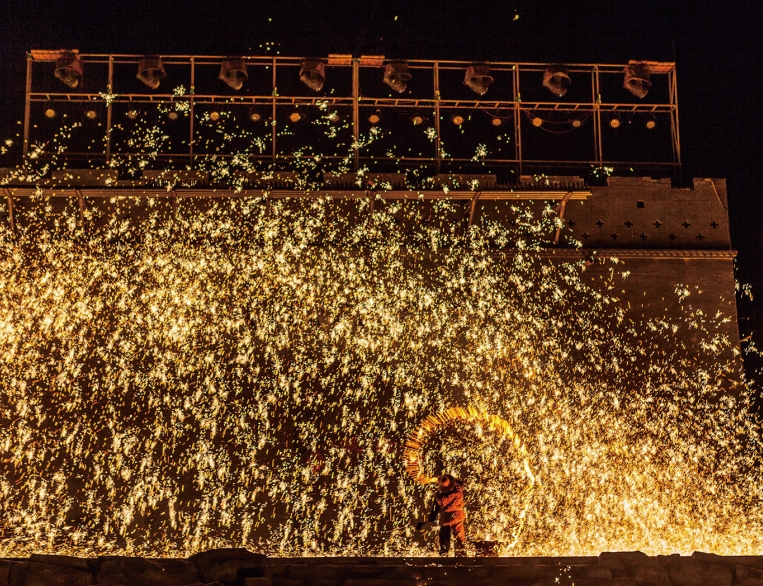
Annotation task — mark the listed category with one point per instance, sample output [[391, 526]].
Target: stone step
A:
[[239, 567], [585, 582], [494, 581], [427, 561], [466, 573]]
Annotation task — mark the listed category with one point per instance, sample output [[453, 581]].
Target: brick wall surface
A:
[[671, 218], [649, 290]]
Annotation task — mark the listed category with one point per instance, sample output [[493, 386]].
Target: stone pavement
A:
[[239, 567]]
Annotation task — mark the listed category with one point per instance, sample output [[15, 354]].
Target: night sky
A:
[[717, 47]]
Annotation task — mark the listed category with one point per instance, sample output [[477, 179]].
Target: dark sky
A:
[[717, 47]]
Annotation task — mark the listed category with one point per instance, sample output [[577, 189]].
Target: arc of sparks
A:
[[418, 438]]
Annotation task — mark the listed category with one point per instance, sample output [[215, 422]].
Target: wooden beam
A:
[[560, 207], [81, 200], [9, 203], [473, 208], [372, 199]]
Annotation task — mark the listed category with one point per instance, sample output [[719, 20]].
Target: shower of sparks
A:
[[245, 372]]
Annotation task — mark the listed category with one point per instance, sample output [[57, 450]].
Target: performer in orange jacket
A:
[[449, 503]]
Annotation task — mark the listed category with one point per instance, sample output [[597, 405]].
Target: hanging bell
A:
[[69, 69], [478, 78], [313, 74], [637, 79], [396, 75], [233, 73], [151, 71], [556, 80]]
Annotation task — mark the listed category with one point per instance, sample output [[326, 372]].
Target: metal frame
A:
[[437, 102]]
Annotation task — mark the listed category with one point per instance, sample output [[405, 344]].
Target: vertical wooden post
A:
[[437, 115], [27, 104], [356, 109], [109, 87], [517, 121], [9, 203], [274, 121], [597, 116], [674, 117], [191, 111]]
